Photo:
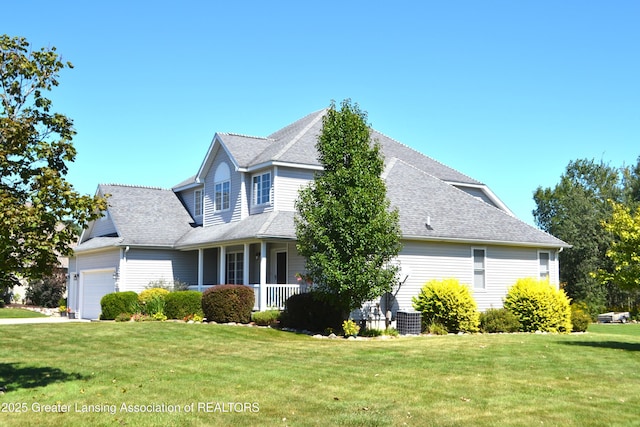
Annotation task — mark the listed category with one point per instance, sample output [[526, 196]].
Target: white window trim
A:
[[548, 276], [254, 189], [473, 268]]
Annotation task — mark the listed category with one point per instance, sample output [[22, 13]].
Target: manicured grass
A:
[[290, 379], [18, 313]]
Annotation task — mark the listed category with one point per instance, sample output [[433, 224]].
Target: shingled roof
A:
[[423, 189], [145, 216]]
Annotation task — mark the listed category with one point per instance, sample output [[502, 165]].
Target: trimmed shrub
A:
[[181, 304], [498, 320], [116, 303], [309, 312], [228, 303], [448, 303], [580, 319], [539, 306], [265, 318]]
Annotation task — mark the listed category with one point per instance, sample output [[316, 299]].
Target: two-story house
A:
[[233, 222]]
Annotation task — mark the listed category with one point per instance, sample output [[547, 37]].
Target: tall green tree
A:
[[35, 149], [574, 211], [624, 252], [631, 177], [345, 226]]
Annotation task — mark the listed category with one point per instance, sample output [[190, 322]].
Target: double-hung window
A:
[[197, 202], [262, 189], [544, 264], [222, 190], [235, 268], [479, 268]]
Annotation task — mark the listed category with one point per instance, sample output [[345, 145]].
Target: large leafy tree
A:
[[345, 226], [624, 252], [35, 199], [574, 211]]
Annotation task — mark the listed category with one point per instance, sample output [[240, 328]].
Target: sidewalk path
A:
[[51, 319]]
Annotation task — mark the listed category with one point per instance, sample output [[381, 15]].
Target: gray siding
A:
[[296, 263], [477, 193], [288, 182], [97, 260], [504, 265], [234, 213], [187, 197], [102, 227], [146, 265]]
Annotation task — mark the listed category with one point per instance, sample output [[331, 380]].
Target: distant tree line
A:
[[599, 269]]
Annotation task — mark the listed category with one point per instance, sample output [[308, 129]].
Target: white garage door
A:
[[95, 285]]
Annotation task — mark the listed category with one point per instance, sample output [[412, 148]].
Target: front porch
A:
[[269, 267], [268, 296]]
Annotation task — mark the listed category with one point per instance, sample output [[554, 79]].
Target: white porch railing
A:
[[269, 295], [273, 296]]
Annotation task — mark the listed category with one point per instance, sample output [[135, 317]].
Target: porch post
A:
[[200, 269], [245, 263], [263, 276], [223, 265]]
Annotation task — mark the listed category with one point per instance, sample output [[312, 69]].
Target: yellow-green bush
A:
[[152, 293], [448, 303], [539, 306]]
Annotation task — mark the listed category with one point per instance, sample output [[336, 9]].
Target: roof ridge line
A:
[[246, 136], [148, 187], [422, 154], [299, 135]]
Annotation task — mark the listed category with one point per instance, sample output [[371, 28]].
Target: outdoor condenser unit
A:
[[409, 322]]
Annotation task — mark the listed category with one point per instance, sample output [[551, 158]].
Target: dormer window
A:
[[262, 189], [222, 188]]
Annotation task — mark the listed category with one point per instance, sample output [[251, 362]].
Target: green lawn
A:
[[15, 313], [205, 375]]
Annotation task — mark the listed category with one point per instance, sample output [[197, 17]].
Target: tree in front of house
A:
[[35, 149], [345, 227]]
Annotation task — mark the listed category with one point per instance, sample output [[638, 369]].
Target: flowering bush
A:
[[350, 328]]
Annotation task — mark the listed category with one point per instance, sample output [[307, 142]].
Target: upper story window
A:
[[479, 269], [197, 202], [222, 195], [222, 188], [544, 258], [262, 189]]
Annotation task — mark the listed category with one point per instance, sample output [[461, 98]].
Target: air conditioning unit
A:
[[409, 322]]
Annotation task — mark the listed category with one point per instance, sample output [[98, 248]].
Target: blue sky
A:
[[507, 92]]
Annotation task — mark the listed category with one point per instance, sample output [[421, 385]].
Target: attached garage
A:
[[93, 286]]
